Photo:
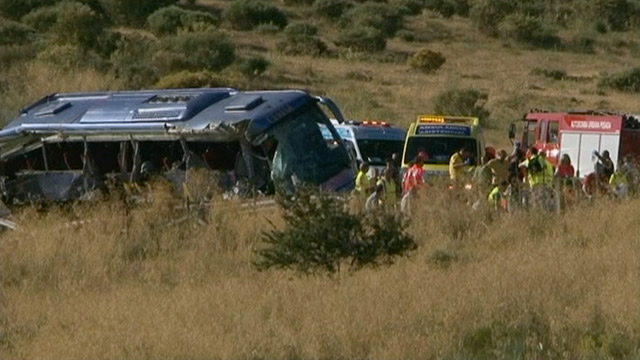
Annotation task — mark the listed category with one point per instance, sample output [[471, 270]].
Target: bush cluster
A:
[[247, 14], [627, 81], [364, 38], [528, 30], [301, 39], [168, 20], [254, 66], [332, 9], [207, 50], [14, 33], [133, 13], [427, 61], [321, 235], [465, 102], [383, 17], [448, 8]]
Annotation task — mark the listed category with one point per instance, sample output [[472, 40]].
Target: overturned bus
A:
[[66, 145]]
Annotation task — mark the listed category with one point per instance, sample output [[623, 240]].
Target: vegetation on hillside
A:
[[95, 281], [435, 42]]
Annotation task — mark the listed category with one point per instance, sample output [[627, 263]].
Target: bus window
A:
[[552, 137]]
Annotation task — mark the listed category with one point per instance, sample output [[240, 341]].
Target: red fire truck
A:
[[578, 134]]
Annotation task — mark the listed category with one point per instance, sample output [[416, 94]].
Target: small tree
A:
[[247, 14], [206, 50], [466, 102], [167, 21], [427, 61], [320, 235], [331, 9], [14, 33], [366, 39], [133, 12], [301, 39]]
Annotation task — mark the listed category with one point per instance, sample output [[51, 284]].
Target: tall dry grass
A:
[[106, 281]]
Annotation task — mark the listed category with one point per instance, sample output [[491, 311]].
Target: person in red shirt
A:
[[414, 175], [565, 169]]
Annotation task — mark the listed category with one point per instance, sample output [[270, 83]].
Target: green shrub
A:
[[131, 62], [383, 17], [14, 33], [191, 79], [320, 235], [300, 39], [297, 30], [13, 54], [488, 14], [362, 38], [168, 20], [616, 13], [555, 74], [307, 45], [465, 102], [247, 14], [77, 23], [133, 13], [406, 35], [253, 66], [267, 29], [627, 81], [297, 2], [15, 9], [448, 8], [414, 7], [427, 61], [332, 9], [72, 57], [581, 43], [529, 30], [194, 51], [42, 19]]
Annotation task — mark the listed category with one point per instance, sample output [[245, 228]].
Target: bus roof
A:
[[204, 110]]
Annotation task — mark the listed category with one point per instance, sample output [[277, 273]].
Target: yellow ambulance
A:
[[440, 137]]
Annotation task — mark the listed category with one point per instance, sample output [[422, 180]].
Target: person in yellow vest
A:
[[387, 181], [363, 183], [459, 163], [619, 182], [539, 177], [498, 196]]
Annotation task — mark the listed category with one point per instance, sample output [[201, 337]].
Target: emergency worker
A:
[[619, 181], [414, 175], [363, 183], [539, 177], [459, 163], [498, 196], [607, 163], [388, 183], [499, 168]]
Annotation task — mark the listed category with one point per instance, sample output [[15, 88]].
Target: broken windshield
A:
[[302, 155]]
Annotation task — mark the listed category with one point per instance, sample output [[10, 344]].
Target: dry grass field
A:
[[100, 282]]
